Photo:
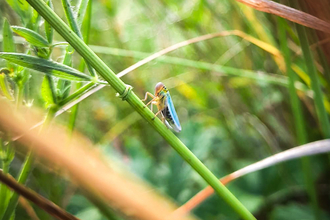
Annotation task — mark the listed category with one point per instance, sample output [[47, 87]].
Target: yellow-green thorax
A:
[[160, 93]]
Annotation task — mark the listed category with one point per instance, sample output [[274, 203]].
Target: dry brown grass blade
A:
[[288, 13], [320, 9], [40, 201], [313, 148], [267, 47], [87, 168]]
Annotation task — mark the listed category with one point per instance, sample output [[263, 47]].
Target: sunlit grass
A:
[[242, 94]]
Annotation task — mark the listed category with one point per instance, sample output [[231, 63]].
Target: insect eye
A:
[[159, 87]]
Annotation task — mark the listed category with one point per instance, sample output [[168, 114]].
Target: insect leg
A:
[[157, 114], [151, 101], [146, 96]]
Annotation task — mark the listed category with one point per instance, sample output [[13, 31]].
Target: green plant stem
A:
[[230, 71], [74, 26], [138, 105], [316, 87], [300, 126], [77, 93], [19, 97]]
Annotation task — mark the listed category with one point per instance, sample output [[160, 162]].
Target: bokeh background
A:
[[228, 120]]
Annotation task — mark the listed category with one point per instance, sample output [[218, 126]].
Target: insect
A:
[[163, 100]]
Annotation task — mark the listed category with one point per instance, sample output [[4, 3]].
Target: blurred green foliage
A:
[[228, 122]]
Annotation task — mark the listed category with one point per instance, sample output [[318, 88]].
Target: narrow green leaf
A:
[[48, 29], [82, 6], [31, 36], [70, 16], [82, 90], [4, 85], [8, 42], [64, 86], [86, 23], [47, 91], [300, 126], [8, 39], [46, 66], [34, 21], [315, 82], [74, 26]]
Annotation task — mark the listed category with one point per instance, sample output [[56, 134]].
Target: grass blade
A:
[[313, 148], [82, 9], [46, 66], [70, 17], [300, 125], [316, 86], [288, 13], [8, 44]]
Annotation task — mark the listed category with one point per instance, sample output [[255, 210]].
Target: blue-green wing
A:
[[170, 114]]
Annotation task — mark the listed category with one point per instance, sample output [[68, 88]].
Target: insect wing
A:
[[174, 123]]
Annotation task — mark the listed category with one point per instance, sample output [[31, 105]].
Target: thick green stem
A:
[[77, 93], [138, 105]]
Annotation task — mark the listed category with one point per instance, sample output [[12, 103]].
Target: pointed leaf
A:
[[45, 66], [86, 23], [81, 11], [8, 39], [70, 17], [8, 42], [31, 36]]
